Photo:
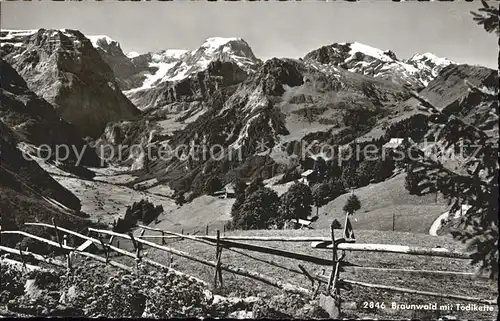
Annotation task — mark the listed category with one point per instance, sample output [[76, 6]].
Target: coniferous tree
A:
[[352, 205], [488, 17], [212, 185]]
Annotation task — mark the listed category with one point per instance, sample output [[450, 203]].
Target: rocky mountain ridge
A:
[[64, 68]]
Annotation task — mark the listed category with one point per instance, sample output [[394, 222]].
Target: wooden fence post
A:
[[69, 255], [182, 231], [104, 247], [61, 245], [334, 260], [163, 238], [206, 230], [22, 257], [331, 303], [137, 247], [218, 270], [57, 232]]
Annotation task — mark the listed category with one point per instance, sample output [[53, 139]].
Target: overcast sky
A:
[[273, 29]]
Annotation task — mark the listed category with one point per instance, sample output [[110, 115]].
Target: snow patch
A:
[[369, 51], [100, 39], [163, 69], [431, 57], [12, 33], [212, 44], [175, 53], [243, 134], [132, 54]]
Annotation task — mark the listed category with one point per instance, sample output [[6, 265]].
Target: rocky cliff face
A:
[[35, 121], [454, 83], [65, 69]]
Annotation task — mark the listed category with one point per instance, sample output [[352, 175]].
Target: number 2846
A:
[[373, 305]]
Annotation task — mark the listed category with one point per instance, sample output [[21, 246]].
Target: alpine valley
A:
[[65, 87]]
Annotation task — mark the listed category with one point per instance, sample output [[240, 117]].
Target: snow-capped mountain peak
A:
[[430, 56], [176, 64], [429, 65], [217, 42], [56, 63], [429, 59], [356, 47], [356, 57], [218, 48]]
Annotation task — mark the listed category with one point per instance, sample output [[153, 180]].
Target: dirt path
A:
[[437, 224]]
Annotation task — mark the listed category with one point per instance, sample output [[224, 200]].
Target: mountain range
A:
[[61, 86]]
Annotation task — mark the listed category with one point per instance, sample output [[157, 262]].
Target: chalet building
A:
[[230, 191], [394, 143], [308, 177], [298, 224]]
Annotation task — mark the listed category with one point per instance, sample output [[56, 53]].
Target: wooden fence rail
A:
[[400, 249], [226, 267], [257, 248], [37, 257], [408, 272], [120, 251], [366, 247], [412, 291], [409, 250], [345, 266], [65, 247], [301, 271]]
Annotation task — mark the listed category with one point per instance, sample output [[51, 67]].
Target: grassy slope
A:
[[379, 201], [237, 285], [202, 211], [107, 202], [378, 204]]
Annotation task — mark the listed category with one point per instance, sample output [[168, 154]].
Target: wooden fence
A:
[[334, 283]]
